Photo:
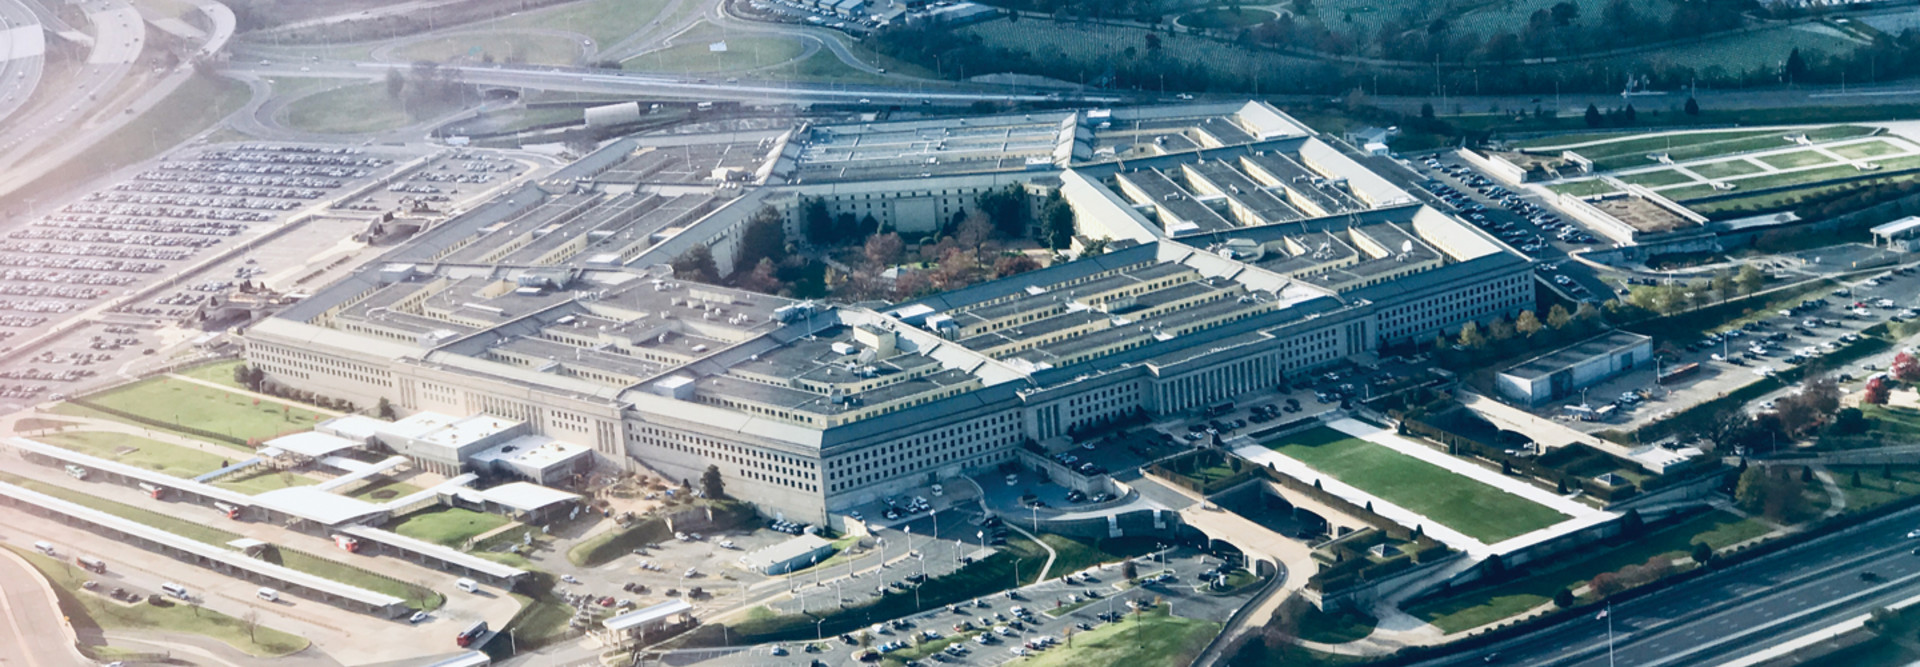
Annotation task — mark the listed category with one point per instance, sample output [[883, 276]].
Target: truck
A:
[[1220, 408]]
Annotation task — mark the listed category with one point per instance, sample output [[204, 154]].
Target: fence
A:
[[196, 432]]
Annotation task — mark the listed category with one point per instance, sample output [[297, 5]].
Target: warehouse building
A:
[[1562, 372]]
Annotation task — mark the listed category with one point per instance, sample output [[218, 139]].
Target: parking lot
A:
[[1730, 357], [1522, 219], [1081, 604], [435, 186]]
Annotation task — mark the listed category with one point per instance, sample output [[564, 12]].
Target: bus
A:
[[233, 511], [154, 490], [346, 543], [91, 564], [471, 634], [1220, 408], [77, 472]]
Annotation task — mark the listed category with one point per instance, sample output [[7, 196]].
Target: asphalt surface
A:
[[25, 56], [1733, 612]]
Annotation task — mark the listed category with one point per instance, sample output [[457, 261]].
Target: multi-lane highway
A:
[[23, 46], [1734, 612], [119, 36]]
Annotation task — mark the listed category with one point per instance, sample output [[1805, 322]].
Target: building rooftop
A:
[[645, 615], [1577, 353], [523, 496], [781, 552]]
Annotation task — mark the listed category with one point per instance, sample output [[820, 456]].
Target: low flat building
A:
[[1559, 373], [442, 444], [534, 458], [526, 503], [793, 554]]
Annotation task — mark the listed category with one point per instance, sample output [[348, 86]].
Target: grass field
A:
[[1589, 187], [86, 611], [1806, 158], [1481, 606], [509, 48], [166, 400], [1725, 168], [1073, 555], [1686, 192], [1226, 19], [1340, 627], [1657, 178], [1632, 150], [219, 372], [1151, 638], [1876, 487], [1802, 177], [1478, 510], [1866, 149], [352, 109], [1095, 46], [263, 481], [692, 52], [447, 526], [137, 451]]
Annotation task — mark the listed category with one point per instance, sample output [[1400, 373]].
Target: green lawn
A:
[[1725, 168], [508, 48], [219, 372], [1805, 176], [1481, 606], [1657, 178], [417, 597], [1073, 554], [544, 617], [171, 401], [1341, 627], [1226, 19], [1151, 638], [350, 109], [1482, 512], [264, 480], [1592, 186], [447, 526], [1866, 149], [86, 611], [692, 52], [605, 21], [1806, 158], [379, 490], [1687, 192], [137, 451], [1875, 486], [158, 519], [1610, 144]]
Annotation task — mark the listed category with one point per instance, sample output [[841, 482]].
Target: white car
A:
[[1913, 533], [417, 617], [569, 579]]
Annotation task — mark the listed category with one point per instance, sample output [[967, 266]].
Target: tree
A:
[[1605, 584], [1527, 324], [1722, 284], [1629, 115], [1905, 368], [1588, 316], [1632, 525], [711, 484], [1013, 265], [241, 375], [1693, 106], [764, 238], [1558, 317], [252, 618], [1796, 66], [1593, 113], [696, 264], [817, 222], [1565, 13], [1806, 474], [1007, 208], [1750, 279], [1153, 43], [396, 83], [1702, 552], [1095, 247], [1057, 222], [1500, 329], [1426, 110], [1470, 336], [1563, 599], [884, 250], [383, 409], [1129, 570], [1856, 478]]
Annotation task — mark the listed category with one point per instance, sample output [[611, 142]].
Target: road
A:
[[23, 45], [33, 634], [1724, 615]]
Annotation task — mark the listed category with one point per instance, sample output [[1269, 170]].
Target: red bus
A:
[[154, 490], [1679, 372], [471, 634], [91, 564], [233, 511], [346, 543]]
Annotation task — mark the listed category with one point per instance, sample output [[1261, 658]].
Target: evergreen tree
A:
[[1593, 115], [1693, 106], [1796, 66]]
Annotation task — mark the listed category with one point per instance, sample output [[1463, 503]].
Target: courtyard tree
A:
[[1750, 279], [1558, 317], [711, 484], [696, 264], [1527, 324]]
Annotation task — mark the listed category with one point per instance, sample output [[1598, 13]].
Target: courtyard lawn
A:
[[170, 401], [692, 52], [1878, 484], [1480, 511], [263, 480], [219, 372], [417, 597], [89, 612], [1657, 178], [1609, 143], [1480, 606], [447, 526], [1806, 158], [379, 490], [137, 451], [1586, 188], [1867, 149], [1151, 638], [1802, 177], [1725, 168]]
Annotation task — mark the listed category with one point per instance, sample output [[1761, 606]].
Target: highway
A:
[[1727, 614], [23, 46], [119, 36]]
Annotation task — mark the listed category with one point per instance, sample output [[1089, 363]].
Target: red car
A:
[[606, 601]]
